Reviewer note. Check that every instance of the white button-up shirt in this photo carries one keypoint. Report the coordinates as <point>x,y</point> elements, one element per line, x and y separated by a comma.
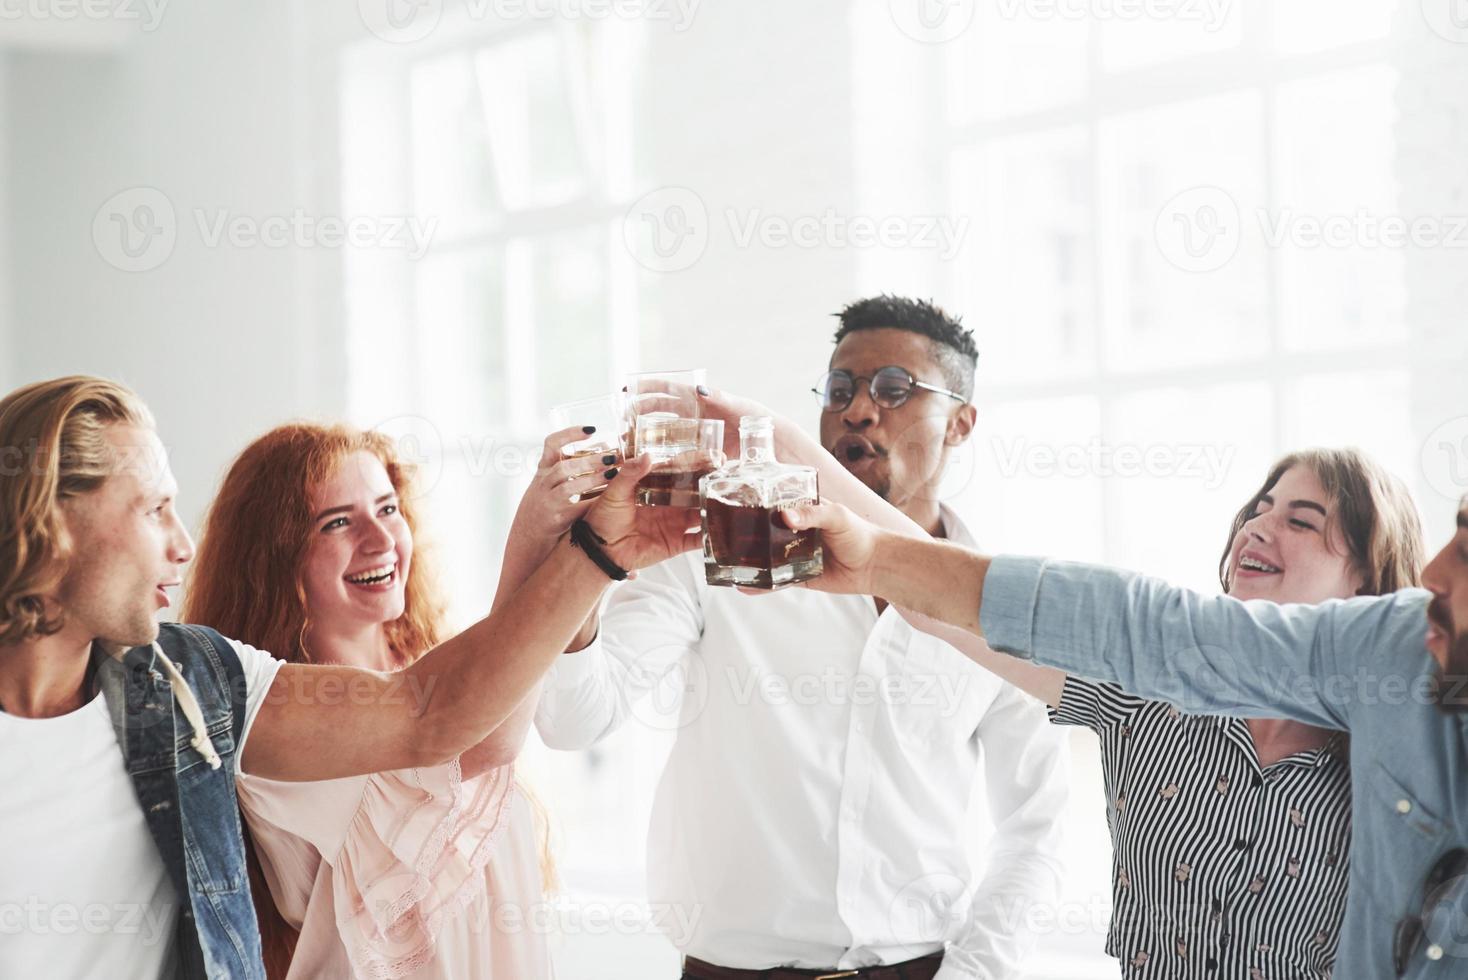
<point>817,808</point>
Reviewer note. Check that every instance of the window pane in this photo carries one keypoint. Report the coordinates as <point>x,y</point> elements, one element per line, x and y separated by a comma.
<point>1183,272</point>
<point>1304,26</point>
<point>1200,454</point>
<point>533,112</point>
<point>1026,270</point>
<point>1368,410</point>
<point>467,513</point>
<point>1011,65</point>
<point>1139,35</point>
<point>452,176</point>
<point>460,313</point>
<point>570,319</point>
<point>1339,285</point>
<point>1022,484</point>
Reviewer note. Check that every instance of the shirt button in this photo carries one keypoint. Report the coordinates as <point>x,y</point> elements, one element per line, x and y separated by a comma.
<point>1404,807</point>
<point>1212,965</point>
<point>1258,780</point>
<point>1434,952</point>
<point>1223,941</point>
<point>1241,845</point>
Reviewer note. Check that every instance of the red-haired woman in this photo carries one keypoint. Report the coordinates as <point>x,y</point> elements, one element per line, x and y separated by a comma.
<point>308,550</point>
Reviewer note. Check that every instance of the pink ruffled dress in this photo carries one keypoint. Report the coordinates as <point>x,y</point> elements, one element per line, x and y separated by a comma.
<point>416,874</point>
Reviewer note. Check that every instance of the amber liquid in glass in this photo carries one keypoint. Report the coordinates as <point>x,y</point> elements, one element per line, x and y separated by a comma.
<point>752,547</point>
<point>671,487</point>
<point>594,492</point>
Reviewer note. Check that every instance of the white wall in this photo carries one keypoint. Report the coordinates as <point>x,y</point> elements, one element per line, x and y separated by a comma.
<point>1432,138</point>
<point>221,341</point>
<point>7,316</point>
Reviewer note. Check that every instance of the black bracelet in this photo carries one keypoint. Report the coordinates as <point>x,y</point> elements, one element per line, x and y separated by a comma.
<point>583,537</point>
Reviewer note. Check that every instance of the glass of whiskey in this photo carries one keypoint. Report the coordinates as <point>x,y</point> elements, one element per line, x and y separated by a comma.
<point>607,414</point>
<point>684,451</point>
<point>662,393</point>
<point>745,542</point>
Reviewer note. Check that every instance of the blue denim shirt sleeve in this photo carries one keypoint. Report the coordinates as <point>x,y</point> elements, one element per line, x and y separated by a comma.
<point>1204,654</point>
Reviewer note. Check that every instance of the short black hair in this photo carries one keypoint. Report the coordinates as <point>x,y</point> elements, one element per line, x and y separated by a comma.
<point>952,343</point>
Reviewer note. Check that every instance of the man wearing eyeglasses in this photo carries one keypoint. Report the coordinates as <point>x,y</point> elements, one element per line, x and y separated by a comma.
<point>816,816</point>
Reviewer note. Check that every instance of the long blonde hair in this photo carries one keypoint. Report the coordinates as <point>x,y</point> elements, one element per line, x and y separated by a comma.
<point>53,446</point>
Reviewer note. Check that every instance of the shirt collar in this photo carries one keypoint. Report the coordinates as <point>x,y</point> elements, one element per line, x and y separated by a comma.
<point>954,529</point>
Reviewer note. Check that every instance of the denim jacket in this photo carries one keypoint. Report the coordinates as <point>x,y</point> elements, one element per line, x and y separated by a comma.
<point>1358,665</point>
<point>189,804</point>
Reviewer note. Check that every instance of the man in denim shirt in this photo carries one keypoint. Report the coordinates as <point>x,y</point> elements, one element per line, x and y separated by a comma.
<point>1391,670</point>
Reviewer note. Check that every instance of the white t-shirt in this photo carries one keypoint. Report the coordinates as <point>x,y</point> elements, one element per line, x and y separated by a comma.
<point>83,890</point>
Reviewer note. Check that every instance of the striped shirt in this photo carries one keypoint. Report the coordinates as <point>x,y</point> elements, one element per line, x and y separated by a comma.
<point>1220,868</point>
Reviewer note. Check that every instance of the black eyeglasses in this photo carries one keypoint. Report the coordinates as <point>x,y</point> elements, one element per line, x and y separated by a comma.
<point>1450,867</point>
<point>889,387</point>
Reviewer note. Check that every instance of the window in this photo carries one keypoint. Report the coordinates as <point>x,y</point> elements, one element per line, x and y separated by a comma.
<point>516,142</point>
<point>1069,140</point>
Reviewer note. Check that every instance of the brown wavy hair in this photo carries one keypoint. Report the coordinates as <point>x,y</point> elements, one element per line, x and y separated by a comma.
<point>246,579</point>
<point>52,446</point>
<point>1373,509</point>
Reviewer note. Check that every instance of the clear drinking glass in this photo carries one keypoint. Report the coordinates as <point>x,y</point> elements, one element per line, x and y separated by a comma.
<point>664,393</point>
<point>684,451</point>
<point>610,438</point>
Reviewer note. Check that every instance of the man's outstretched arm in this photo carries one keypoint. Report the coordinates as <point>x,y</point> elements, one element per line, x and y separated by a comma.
<point>1205,654</point>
